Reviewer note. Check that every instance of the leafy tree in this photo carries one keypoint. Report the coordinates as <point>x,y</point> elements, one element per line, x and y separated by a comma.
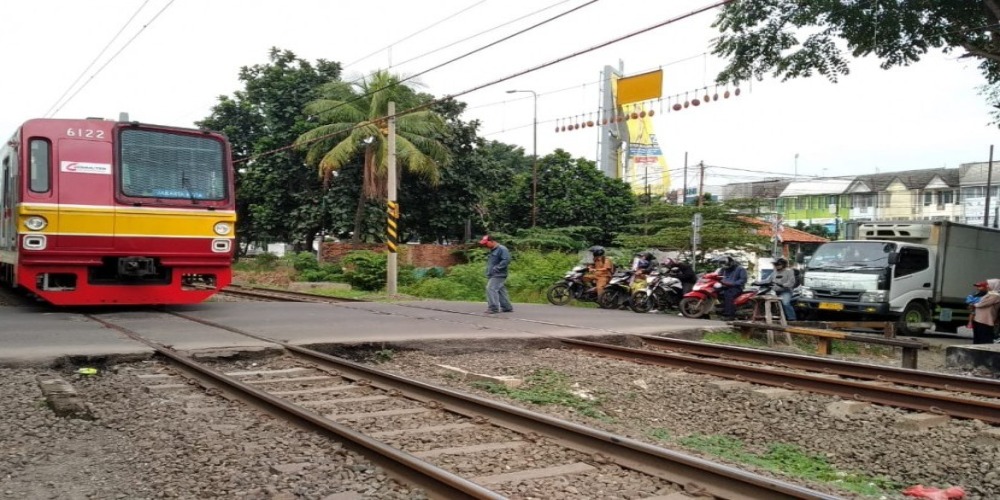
<point>278,197</point>
<point>797,38</point>
<point>668,227</point>
<point>814,229</point>
<point>571,193</point>
<point>352,119</point>
<point>444,211</point>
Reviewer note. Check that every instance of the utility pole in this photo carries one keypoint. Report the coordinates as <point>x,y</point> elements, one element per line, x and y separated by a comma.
<point>989,180</point>
<point>684,195</point>
<point>701,183</point>
<point>391,267</point>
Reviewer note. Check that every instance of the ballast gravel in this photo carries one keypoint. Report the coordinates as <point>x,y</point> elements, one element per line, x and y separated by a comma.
<point>663,407</point>
<point>144,444</point>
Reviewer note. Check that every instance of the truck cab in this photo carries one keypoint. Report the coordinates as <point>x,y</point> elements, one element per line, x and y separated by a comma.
<point>887,274</point>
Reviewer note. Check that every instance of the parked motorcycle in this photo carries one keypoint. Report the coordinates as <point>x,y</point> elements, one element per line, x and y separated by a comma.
<point>572,286</point>
<point>662,291</point>
<point>618,291</point>
<point>703,299</point>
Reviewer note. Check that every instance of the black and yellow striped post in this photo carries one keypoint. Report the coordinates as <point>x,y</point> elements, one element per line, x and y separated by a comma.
<point>392,238</point>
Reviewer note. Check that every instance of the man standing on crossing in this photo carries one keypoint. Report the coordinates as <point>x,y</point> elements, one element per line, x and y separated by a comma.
<point>497,262</point>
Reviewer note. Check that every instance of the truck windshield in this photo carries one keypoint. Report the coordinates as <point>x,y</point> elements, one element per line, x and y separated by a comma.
<point>851,254</point>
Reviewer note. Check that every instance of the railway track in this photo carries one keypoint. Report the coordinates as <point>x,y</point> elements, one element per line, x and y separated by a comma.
<point>856,381</point>
<point>456,445</point>
<point>271,295</point>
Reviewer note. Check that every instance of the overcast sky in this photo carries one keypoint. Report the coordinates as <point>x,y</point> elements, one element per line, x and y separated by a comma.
<point>928,115</point>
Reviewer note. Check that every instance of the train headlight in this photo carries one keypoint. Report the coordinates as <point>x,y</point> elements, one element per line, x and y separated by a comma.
<point>222,228</point>
<point>35,223</point>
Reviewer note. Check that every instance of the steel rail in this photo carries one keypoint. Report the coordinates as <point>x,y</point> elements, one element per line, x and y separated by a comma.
<point>694,473</point>
<point>904,376</point>
<point>437,482</point>
<point>860,391</point>
<point>283,295</point>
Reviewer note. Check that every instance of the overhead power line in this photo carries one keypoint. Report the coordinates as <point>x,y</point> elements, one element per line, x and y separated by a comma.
<point>98,56</point>
<point>532,69</point>
<point>415,33</point>
<point>105,65</point>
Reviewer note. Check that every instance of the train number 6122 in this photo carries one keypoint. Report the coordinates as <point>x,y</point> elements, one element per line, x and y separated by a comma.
<point>86,133</point>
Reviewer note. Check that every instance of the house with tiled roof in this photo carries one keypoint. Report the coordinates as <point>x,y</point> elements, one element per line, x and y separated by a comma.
<point>973,179</point>
<point>928,194</point>
<point>815,201</point>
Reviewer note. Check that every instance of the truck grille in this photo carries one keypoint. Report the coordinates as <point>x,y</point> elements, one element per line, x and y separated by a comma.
<point>832,293</point>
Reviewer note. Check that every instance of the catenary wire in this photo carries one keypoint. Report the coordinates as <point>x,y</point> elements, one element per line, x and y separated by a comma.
<point>105,65</point>
<point>98,56</point>
<point>666,22</point>
<point>415,33</point>
<point>458,58</point>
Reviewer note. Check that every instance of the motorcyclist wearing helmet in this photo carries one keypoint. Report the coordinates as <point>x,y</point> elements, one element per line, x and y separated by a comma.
<point>734,277</point>
<point>645,264</point>
<point>601,269</point>
<point>783,279</point>
<point>682,271</point>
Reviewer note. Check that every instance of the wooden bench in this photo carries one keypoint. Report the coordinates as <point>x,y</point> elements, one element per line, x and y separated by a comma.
<point>825,339</point>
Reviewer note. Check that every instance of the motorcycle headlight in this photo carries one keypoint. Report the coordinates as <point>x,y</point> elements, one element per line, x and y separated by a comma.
<point>222,228</point>
<point>36,223</point>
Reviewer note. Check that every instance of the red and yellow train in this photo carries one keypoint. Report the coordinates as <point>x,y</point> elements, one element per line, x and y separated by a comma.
<point>99,212</point>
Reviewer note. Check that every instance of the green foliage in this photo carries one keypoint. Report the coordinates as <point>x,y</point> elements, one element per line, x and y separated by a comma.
<point>668,227</point>
<point>365,270</point>
<point>548,387</point>
<point>278,198</point>
<point>350,129</point>
<point>571,193</point>
<point>660,434</point>
<point>384,355</point>
<point>790,460</point>
<point>262,262</point>
<point>815,229</point>
<point>304,261</point>
<point>732,338</point>
<point>797,38</point>
<point>531,272</point>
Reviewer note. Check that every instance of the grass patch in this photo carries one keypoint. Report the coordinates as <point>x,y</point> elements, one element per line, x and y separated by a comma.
<point>732,338</point>
<point>660,434</point>
<point>791,461</point>
<point>548,387</point>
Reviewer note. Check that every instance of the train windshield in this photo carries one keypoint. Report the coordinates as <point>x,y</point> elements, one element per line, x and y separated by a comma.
<point>165,165</point>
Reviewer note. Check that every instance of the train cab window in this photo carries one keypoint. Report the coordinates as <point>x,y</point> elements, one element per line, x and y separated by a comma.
<point>40,166</point>
<point>163,165</point>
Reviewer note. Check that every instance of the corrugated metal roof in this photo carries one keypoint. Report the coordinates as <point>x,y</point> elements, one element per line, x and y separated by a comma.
<point>816,186</point>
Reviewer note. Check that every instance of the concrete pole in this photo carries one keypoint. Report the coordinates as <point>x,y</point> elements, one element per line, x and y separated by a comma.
<point>392,263</point>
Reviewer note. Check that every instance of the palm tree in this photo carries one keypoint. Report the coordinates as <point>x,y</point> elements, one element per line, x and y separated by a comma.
<point>353,118</point>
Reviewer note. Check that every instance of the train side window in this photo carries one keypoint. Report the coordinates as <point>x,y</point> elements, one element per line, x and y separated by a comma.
<point>40,166</point>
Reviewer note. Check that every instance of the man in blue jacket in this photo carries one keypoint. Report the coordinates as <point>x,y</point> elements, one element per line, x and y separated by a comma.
<point>497,262</point>
<point>734,277</point>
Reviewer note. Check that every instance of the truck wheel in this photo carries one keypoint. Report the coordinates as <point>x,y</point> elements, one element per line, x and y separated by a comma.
<point>915,312</point>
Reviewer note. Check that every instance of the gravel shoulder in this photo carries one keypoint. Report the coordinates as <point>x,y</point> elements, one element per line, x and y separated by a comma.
<point>686,412</point>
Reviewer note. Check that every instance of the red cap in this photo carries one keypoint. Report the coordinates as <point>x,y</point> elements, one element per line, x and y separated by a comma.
<point>484,240</point>
<point>981,284</point>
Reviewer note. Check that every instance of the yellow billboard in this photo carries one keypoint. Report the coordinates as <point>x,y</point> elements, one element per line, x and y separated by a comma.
<point>645,167</point>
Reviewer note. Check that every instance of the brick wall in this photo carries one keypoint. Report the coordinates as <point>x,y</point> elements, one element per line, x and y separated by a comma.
<point>412,255</point>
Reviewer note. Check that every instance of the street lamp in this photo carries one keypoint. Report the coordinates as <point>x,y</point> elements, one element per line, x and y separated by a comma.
<point>534,154</point>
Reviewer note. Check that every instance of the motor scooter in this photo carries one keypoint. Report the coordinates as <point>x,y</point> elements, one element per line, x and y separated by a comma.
<point>572,286</point>
<point>703,299</point>
<point>618,291</point>
<point>662,291</point>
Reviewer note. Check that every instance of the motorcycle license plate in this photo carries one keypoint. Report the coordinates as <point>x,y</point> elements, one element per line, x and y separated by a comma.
<point>831,306</point>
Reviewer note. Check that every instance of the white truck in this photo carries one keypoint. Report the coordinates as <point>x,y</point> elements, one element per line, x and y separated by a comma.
<point>915,273</point>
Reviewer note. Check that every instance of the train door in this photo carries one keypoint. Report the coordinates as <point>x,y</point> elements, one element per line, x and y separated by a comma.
<point>85,185</point>
<point>6,211</point>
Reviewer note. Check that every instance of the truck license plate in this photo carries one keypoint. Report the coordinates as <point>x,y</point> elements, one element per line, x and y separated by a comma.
<point>831,306</point>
